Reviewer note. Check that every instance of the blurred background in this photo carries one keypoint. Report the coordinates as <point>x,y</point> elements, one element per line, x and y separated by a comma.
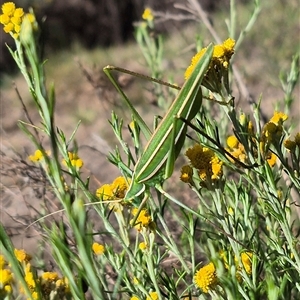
<point>94,23</point>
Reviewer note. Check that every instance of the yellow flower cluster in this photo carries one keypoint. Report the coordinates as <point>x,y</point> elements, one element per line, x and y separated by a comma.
<point>246,260</point>
<point>220,60</point>
<point>237,150</point>
<point>113,191</point>
<point>272,131</point>
<point>75,160</point>
<point>31,282</point>
<point>22,256</point>
<point>6,279</point>
<point>12,19</point>
<point>208,165</point>
<point>206,277</point>
<point>143,220</point>
<point>40,287</point>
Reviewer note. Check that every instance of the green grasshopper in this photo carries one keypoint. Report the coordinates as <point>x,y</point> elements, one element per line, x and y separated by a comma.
<point>156,163</point>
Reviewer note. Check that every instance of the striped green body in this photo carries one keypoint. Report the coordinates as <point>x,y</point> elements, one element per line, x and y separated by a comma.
<point>170,134</point>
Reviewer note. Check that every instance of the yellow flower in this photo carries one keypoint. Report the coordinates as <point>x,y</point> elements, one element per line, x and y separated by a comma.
<point>194,61</point>
<point>219,51</point>
<point>7,289</point>
<point>74,159</point>
<point>29,278</point>
<point>4,19</point>
<point>63,285</point>
<point>230,211</point>
<point>134,298</point>
<point>5,277</point>
<point>222,254</point>
<point>2,261</point>
<point>114,191</point>
<point>206,277</point>
<point>105,192</point>
<point>18,14</point>
<point>229,46</point>
<point>278,118</point>
<point>8,8</point>
<point>217,72</point>
<point>246,258</point>
<point>119,187</point>
<point>98,248</point>
<point>50,276</point>
<point>236,149</point>
<point>271,159</point>
<point>186,174</point>
<point>147,15</point>
<point>216,168</point>
<point>232,142</point>
<point>272,131</point>
<point>22,256</point>
<point>152,296</point>
<point>143,219</point>
<point>205,161</point>
<point>38,155</point>
<point>143,246</point>
<point>11,18</point>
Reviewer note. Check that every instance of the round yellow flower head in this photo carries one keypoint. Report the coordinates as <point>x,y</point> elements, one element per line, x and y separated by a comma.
<point>105,192</point>
<point>194,61</point>
<point>50,276</point>
<point>98,248</point>
<point>206,277</point>
<point>143,219</point>
<point>205,161</point>
<point>148,15</point>
<point>271,159</point>
<point>232,142</point>
<point>246,258</point>
<point>143,246</point>
<point>75,160</point>
<point>22,256</point>
<point>119,187</point>
<point>2,261</point>
<point>5,277</point>
<point>186,174</point>
<point>38,155</point>
<point>278,118</point>
<point>228,46</point>
<point>219,51</point>
<point>152,296</point>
